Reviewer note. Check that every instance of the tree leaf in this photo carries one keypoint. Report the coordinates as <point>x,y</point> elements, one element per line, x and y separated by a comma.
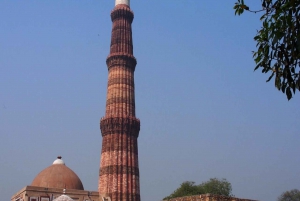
<point>288,93</point>
<point>270,77</point>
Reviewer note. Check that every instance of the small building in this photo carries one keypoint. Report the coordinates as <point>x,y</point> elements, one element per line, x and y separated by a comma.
<point>56,183</point>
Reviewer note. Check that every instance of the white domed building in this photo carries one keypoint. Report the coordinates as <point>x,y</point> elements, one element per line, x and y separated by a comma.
<point>63,198</point>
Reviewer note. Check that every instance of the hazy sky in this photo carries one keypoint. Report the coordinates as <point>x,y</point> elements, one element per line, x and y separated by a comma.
<point>204,112</point>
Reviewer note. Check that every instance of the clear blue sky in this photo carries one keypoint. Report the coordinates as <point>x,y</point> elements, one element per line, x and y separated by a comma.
<point>204,112</point>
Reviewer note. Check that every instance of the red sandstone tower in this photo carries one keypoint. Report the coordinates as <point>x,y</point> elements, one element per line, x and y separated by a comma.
<point>119,170</point>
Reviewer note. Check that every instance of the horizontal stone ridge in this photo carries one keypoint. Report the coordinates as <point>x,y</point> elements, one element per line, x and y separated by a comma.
<point>121,59</point>
<point>121,143</point>
<point>118,100</point>
<point>108,148</point>
<point>122,11</point>
<point>119,169</point>
<point>124,196</point>
<point>121,80</point>
<point>125,157</point>
<point>120,125</point>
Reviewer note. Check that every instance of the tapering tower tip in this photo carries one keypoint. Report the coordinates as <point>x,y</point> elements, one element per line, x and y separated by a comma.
<point>126,2</point>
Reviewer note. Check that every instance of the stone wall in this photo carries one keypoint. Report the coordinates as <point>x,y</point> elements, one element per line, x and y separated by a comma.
<point>30,193</point>
<point>207,197</point>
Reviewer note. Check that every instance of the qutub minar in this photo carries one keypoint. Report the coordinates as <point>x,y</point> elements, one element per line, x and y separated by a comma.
<point>119,170</point>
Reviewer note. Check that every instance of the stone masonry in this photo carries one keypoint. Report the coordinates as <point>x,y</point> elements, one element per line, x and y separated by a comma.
<point>207,197</point>
<point>119,170</point>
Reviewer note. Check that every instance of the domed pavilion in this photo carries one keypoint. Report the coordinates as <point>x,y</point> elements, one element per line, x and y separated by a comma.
<point>58,175</point>
<point>56,183</point>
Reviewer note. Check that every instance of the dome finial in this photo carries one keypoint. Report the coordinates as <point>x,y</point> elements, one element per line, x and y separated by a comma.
<point>59,161</point>
<point>126,2</point>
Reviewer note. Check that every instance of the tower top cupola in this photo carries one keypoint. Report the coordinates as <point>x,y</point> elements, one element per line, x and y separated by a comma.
<point>126,2</point>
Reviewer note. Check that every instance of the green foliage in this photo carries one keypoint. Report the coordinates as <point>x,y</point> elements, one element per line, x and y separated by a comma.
<point>186,188</point>
<point>278,42</point>
<point>217,187</point>
<point>213,186</point>
<point>293,195</point>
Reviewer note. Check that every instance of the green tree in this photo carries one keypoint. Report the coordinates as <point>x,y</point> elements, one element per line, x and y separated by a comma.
<point>213,186</point>
<point>293,195</point>
<point>278,42</point>
<point>186,188</point>
<point>216,187</point>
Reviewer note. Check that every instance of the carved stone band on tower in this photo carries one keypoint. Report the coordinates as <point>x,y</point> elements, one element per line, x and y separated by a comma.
<point>119,168</point>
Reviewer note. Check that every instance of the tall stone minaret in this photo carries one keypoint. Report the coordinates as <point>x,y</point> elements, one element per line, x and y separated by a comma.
<point>119,170</point>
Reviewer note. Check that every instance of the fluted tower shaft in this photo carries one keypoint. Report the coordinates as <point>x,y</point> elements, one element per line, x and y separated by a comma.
<point>119,170</point>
